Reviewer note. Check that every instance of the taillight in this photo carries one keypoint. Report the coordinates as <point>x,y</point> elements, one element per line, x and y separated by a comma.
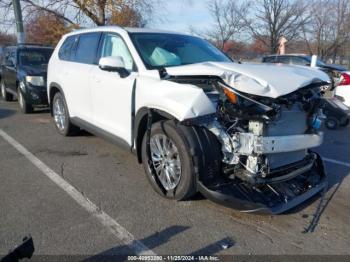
<point>344,80</point>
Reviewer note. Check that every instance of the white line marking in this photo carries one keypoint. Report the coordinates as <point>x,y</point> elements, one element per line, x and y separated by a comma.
<point>335,162</point>
<point>114,227</point>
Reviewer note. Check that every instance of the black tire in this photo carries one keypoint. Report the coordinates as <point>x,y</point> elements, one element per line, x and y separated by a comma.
<point>345,123</point>
<point>199,152</point>
<point>26,108</point>
<point>4,94</point>
<point>68,129</point>
<point>332,123</point>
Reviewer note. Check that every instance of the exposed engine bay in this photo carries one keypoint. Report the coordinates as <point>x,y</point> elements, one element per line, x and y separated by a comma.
<point>267,164</point>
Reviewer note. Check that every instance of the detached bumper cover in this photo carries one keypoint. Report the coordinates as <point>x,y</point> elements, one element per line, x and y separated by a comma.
<point>274,198</point>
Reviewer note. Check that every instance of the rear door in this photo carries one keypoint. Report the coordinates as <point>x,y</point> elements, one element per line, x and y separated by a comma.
<point>9,71</point>
<point>77,72</point>
<point>112,94</point>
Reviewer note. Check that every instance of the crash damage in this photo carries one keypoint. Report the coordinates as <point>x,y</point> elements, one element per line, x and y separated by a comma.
<point>265,134</point>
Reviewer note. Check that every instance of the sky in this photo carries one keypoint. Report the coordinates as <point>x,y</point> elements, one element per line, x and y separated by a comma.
<point>179,16</point>
<point>182,14</point>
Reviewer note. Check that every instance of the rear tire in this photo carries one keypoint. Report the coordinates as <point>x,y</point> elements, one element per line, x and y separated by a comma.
<point>199,155</point>
<point>25,107</point>
<point>332,123</point>
<point>61,116</point>
<point>346,123</point>
<point>4,94</point>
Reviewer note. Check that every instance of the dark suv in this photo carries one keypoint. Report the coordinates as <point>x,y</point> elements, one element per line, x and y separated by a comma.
<point>23,75</point>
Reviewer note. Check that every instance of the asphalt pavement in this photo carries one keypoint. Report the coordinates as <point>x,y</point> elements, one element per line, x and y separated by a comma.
<point>83,196</point>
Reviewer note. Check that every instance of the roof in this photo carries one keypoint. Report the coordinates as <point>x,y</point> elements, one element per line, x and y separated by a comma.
<point>125,29</point>
<point>149,30</point>
<point>295,54</point>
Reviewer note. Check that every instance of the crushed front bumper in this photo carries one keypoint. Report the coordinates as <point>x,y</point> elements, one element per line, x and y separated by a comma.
<point>274,198</point>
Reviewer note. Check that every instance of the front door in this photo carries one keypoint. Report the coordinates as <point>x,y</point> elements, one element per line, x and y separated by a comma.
<point>111,93</point>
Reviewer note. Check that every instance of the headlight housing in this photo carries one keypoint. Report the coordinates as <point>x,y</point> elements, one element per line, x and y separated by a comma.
<point>35,80</point>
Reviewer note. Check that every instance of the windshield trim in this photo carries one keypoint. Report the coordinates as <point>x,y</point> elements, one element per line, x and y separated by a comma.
<point>151,67</point>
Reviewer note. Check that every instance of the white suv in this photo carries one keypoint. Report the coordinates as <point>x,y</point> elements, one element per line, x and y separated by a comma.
<point>238,133</point>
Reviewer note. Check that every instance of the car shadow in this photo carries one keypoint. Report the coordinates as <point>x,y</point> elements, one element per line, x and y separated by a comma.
<point>152,241</point>
<point>157,239</point>
<point>6,113</point>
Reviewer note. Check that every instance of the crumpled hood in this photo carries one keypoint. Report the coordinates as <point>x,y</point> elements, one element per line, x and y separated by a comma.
<point>268,80</point>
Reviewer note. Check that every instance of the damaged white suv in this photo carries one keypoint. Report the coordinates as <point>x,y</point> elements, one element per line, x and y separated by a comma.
<point>238,133</point>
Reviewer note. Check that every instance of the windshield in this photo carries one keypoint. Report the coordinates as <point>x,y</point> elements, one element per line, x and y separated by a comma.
<point>34,57</point>
<point>164,50</point>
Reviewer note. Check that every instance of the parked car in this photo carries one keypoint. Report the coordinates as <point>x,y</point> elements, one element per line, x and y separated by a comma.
<point>23,75</point>
<point>337,114</point>
<point>333,70</point>
<point>238,133</point>
<point>342,90</point>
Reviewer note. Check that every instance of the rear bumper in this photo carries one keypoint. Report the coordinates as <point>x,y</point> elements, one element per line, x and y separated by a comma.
<point>273,198</point>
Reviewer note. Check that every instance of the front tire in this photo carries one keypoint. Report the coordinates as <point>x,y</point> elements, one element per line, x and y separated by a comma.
<point>61,116</point>
<point>25,107</point>
<point>192,152</point>
<point>4,94</point>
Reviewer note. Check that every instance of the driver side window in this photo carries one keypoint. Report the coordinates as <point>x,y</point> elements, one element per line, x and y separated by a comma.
<point>114,45</point>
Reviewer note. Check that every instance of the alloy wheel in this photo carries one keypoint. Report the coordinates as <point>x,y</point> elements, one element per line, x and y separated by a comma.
<point>59,113</point>
<point>166,161</point>
<point>3,90</point>
<point>20,99</point>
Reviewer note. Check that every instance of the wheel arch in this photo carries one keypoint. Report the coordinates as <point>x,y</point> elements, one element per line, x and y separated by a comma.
<point>54,88</point>
<point>140,124</point>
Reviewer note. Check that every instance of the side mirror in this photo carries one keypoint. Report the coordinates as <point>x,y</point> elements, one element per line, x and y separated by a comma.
<point>113,64</point>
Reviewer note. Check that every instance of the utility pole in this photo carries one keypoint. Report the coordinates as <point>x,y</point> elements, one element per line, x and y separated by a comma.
<point>19,21</point>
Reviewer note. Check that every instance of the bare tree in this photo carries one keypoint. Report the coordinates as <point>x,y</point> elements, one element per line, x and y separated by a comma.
<point>273,19</point>
<point>85,12</point>
<point>229,21</point>
<point>329,30</point>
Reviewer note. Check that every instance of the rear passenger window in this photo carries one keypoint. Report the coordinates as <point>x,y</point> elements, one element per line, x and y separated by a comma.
<point>87,48</point>
<point>283,59</point>
<point>67,49</point>
<point>271,59</point>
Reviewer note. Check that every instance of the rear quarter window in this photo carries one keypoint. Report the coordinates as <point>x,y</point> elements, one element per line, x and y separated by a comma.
<point>67,49</point>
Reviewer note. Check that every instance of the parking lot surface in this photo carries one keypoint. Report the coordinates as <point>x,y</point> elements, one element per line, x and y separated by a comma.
<point>110,180</point>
